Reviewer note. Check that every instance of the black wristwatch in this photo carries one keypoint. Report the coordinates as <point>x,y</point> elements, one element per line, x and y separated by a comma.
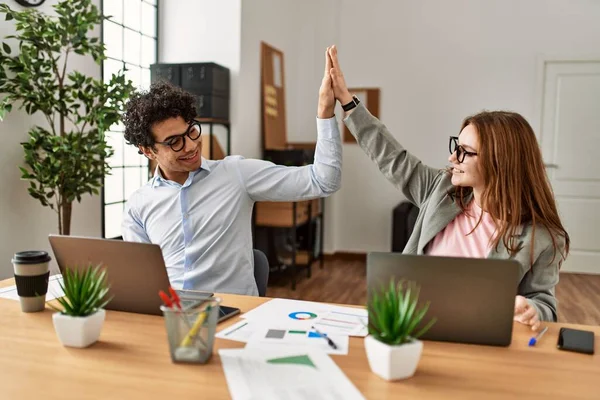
<point>352,104</point>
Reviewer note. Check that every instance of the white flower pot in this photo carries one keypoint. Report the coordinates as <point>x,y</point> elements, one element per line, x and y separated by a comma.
<point>78,331</point>
<point>393,362</point>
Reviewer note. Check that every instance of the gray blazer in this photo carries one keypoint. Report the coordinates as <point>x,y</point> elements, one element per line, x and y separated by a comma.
<point>428,189</point>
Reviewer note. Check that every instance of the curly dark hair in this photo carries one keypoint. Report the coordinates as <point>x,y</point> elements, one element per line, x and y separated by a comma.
<point>146,108</point>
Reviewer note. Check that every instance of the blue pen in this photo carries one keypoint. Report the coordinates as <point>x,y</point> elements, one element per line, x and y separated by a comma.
<point>324,336</point>
<point>537,337</point>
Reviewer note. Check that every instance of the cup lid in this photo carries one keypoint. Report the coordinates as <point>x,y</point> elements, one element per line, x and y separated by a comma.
<point>31,257</point>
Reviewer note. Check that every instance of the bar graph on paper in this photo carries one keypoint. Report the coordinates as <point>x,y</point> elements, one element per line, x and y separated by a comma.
<point>346,323</point>
<point>284,374</point>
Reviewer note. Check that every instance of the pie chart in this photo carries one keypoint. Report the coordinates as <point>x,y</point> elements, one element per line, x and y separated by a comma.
<point>302,315</point>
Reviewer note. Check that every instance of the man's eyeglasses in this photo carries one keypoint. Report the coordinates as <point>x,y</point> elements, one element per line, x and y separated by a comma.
<point>177,142</point>
<point>460,151</point>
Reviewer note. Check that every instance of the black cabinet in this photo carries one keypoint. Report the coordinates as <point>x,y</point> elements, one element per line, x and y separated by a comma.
<point>205,78</point>
<point>208,82</point>
<point>167,72</point>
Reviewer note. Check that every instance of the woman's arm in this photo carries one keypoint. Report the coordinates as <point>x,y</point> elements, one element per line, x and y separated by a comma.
<point>538,285</point>
<point>400,167</point>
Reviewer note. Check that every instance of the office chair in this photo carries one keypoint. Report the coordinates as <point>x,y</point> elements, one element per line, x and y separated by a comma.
<point>404,217</point>
<point>261,272</point>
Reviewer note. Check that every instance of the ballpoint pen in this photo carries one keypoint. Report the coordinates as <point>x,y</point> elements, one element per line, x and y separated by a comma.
<point>175,297</point>
<point>329,341</point>
<point>174,302</point>
<point>537,337</point>
<point>191,335</point>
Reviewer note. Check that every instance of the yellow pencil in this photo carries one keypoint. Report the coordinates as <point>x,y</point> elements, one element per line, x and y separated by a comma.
<point>187,340</point>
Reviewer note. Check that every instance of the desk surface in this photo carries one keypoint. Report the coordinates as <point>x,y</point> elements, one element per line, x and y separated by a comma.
<point>131,361</point>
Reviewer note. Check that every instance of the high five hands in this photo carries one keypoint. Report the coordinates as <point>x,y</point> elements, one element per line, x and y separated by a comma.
<point>326,95</point>
<point>333,86</point>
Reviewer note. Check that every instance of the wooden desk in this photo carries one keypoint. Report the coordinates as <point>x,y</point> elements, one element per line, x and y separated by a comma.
<point>131,361</point>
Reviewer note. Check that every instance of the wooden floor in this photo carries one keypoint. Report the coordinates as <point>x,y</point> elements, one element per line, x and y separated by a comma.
<point>344,282</point>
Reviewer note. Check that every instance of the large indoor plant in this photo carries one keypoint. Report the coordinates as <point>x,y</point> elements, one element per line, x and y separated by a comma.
<point>395,324</point>
<point>79,322</point>
<point>67,158</point>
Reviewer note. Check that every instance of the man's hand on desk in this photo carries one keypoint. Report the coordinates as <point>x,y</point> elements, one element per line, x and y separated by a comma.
<point>526,314</point>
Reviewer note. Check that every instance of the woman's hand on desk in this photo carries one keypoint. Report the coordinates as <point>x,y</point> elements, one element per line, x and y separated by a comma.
<point>526,314</point>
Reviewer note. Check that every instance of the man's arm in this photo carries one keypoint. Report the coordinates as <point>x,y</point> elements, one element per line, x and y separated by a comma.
<point>265,181</point>
<point>132,228</point>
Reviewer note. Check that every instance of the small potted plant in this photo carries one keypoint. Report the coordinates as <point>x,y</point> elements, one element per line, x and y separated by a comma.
<point>80,321</point>
<point>392,347</point>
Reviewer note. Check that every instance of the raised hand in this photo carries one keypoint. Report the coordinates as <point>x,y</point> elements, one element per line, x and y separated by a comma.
<point>326,97</point>
<point>340,89</point>
<point>526,314</point>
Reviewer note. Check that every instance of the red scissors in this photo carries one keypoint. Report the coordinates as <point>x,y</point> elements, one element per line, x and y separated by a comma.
<point>172,301</point>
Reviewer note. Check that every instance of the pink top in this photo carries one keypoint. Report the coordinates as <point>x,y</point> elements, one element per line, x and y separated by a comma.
<point>454,241</point>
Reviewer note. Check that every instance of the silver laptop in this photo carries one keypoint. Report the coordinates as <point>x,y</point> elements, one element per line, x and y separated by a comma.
<point>136,271</point>
<point>472,299</point>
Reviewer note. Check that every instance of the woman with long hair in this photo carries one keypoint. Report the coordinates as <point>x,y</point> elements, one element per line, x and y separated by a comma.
<point>495,200</point>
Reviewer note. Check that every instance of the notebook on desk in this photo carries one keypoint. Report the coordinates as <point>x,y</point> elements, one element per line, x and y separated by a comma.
<point>136,271</point>
<point>472,299</point>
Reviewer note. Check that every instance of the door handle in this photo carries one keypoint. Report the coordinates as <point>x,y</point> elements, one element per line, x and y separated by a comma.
<point>550,165</point>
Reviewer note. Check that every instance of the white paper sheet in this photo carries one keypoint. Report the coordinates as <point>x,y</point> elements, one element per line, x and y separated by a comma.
<point>54,290</point>
<point>277,72</point>
<point>282,337</point>
<point>284,374</point>
<point>303,315</point>
<point>351,323</point>
<point>240,331</point>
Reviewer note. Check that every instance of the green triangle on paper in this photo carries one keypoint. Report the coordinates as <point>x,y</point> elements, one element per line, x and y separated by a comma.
<point>299,360</point>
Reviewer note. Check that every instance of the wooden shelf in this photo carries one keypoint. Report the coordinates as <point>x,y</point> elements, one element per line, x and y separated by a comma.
<point>281,214</point>
<point>302,258</point>
<point>217,149</point>
<point>212,121</point>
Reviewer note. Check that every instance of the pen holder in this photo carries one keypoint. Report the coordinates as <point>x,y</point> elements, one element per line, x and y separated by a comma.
<point>191,331</point>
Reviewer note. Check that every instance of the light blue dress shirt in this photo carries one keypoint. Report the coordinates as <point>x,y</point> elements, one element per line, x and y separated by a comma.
<point>204,226</point>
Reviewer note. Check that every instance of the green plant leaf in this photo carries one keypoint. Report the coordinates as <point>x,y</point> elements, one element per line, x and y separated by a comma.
<point>394,313</point>
<point>32,77</point>
<point>85,290</point>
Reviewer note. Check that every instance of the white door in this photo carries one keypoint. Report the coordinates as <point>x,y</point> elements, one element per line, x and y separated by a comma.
<point>570,140</point>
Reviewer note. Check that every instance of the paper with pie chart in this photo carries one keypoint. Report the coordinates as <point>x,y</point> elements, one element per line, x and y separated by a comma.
<point>306,314</point>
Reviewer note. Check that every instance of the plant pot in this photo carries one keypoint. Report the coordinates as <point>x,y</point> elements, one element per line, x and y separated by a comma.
<point>393,362</point>
<point>78,331</point>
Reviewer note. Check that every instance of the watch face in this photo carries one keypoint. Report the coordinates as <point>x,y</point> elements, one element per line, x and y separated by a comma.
<point>30,3</point>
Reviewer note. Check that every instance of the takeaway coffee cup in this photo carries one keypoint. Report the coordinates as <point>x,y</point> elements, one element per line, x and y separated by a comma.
<point>31,277</point>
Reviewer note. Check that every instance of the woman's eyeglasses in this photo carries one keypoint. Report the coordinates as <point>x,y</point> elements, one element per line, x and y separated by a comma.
<point>460,151</point>
<point>177,142</point>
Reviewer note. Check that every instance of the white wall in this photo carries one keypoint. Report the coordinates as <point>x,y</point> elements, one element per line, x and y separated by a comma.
<point>437,61</point>
<point>230,32</point>
<point>24,222</point>
<point>302,30</point>
<point>202,31</point>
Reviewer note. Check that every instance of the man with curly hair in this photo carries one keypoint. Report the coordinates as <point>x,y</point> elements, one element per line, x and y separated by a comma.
<point>199,211</point>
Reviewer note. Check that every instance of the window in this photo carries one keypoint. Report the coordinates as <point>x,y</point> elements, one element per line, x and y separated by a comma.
<point>130,37</point>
